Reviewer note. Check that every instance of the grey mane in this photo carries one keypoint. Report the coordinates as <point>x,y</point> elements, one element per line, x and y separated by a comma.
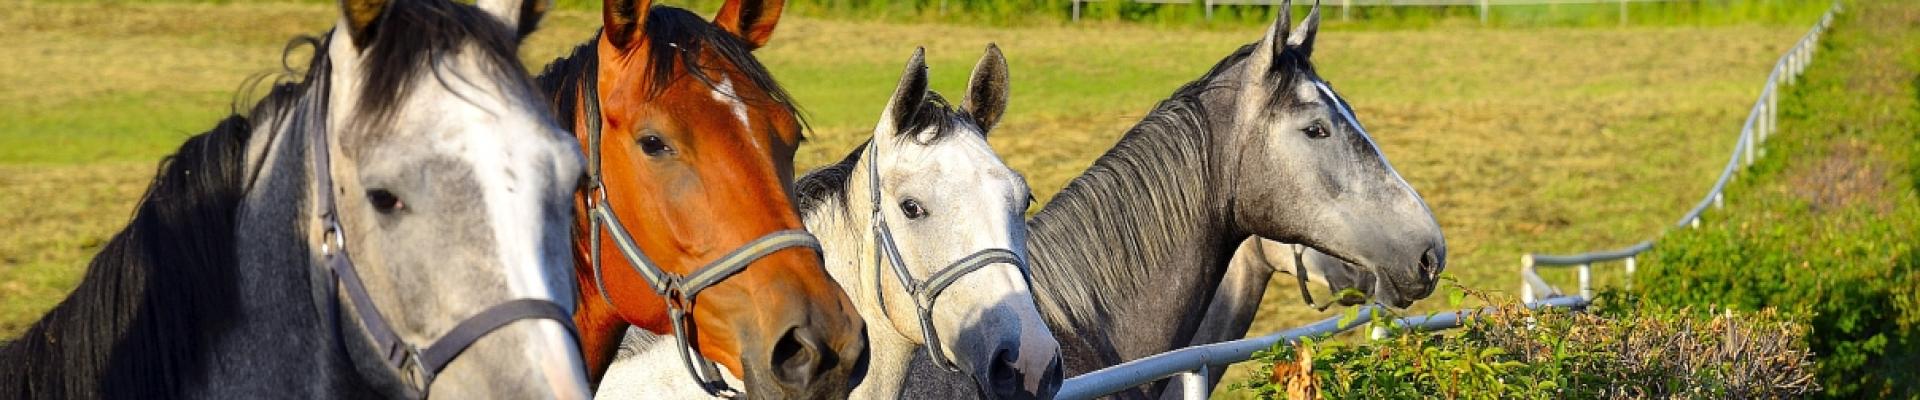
<point>1164,157</point>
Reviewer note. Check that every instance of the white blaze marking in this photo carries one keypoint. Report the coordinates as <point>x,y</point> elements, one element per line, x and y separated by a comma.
<point>724,93</point>
<point>1340,105</point>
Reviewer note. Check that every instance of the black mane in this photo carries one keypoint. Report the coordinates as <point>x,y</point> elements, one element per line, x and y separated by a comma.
<point>827,183</point>
<point>154,299</point>
<point>679,36</point>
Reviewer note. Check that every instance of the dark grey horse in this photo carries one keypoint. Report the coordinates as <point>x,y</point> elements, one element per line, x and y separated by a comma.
<point>1129,254</point>
<point>417,141</point>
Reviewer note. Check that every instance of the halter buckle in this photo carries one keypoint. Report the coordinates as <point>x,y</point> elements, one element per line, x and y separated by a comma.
<point>596,193</point>
<point>413,371</point>
<point>330,238</point>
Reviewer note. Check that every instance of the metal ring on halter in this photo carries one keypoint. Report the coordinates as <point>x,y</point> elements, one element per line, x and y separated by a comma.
<point>922,293</point>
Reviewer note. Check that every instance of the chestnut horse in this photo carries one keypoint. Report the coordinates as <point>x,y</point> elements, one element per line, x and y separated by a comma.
<point>690,145</point>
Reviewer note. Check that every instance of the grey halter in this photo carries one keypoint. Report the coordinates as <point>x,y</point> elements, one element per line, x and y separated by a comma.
<point>924,292</point>
<point>418,366</point>
<point>679,291</point>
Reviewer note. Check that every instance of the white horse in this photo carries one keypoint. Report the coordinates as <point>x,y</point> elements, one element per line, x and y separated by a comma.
<point>945,251</point>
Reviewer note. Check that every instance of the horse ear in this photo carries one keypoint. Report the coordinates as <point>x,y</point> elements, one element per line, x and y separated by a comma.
<point>623,20</point>
<point>908,96</point>
<point>751,20</point>
<point>1302,38</point>
<point>987,91</point>
<point>359,16</point>
<point>1268,51</point>
<point>523,15</point>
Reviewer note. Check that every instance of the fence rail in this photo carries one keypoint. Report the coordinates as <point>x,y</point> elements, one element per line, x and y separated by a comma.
<point>1193,365</point>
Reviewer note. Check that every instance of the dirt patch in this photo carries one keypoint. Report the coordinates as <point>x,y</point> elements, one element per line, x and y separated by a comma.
<point>1848,175</point>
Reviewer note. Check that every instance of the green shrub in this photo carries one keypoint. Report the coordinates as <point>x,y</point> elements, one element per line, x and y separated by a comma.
<point>1622,350</point>
<point>1860,292</point>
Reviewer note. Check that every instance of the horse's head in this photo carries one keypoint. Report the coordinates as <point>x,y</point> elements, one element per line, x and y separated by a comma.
<point>697,148</point>
<point>452,187</point>
<point>946,197</point>
<point>1305,171</point>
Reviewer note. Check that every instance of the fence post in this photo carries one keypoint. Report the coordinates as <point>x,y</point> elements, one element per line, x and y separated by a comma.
<point>1623,12</point>
<point>1209,7</point>
<point>1749,147</point>
<point>1586,281</point>
<point>1767,114</point>
<point>1526,287</point>
<point>1194,384</point>
<point>1344,5</point>
<point>1483,12</point>
<point>1630,272</point>
<point>1773,108</point>
<point>1076,10</point>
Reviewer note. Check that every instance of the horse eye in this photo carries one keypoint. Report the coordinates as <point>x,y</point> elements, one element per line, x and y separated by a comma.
<point>654,145</point>
<point>1316,131</point>
<point>384,201</point>
<point>912,209</point>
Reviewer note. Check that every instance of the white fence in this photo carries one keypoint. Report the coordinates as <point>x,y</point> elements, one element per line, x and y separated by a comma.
<point>1346,6</point>
<point>1192,365</point>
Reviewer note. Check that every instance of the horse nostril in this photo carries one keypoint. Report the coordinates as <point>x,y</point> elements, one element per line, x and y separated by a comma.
<point>1430,265</point>
<point>1003,376</point>
<point>800,356</point>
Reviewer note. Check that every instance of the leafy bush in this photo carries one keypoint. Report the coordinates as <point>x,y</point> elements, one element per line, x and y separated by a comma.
<point>1624,351</point>
<point>1861,292</point>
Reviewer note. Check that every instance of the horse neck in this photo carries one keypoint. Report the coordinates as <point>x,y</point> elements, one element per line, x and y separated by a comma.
<point>285,302</point>
<point>1136,241</point>
<point>841,221</point>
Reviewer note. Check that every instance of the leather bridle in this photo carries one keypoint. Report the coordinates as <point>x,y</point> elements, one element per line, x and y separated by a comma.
<point>679,290</point>
<point>419,366</point>
<point>923,292</point>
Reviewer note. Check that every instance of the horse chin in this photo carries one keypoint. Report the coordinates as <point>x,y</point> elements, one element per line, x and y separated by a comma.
<point>761,384</point>
<point>1385,292</point>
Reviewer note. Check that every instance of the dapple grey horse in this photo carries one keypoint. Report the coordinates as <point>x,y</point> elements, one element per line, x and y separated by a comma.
<point>1126,257</point>
<point>394,224</point>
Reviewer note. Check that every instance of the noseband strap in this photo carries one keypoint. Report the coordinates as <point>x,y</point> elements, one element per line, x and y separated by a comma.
<point>418,367</point>
<point>680,291</point>
<point>923,293</point>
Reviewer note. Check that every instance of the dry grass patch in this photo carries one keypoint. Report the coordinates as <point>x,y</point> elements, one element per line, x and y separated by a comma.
<point>1553,139</point>
<point>55,218</point>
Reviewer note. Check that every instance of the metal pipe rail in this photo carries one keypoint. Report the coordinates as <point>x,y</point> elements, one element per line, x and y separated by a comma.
<point>1760,124</point>
<point>1192,365</point>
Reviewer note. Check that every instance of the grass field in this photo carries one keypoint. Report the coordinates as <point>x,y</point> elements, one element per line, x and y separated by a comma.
<point>1521,139</point>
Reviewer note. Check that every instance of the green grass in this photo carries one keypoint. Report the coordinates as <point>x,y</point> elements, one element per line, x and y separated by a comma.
<point>1521,138</point>
<point>1825,224</point>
